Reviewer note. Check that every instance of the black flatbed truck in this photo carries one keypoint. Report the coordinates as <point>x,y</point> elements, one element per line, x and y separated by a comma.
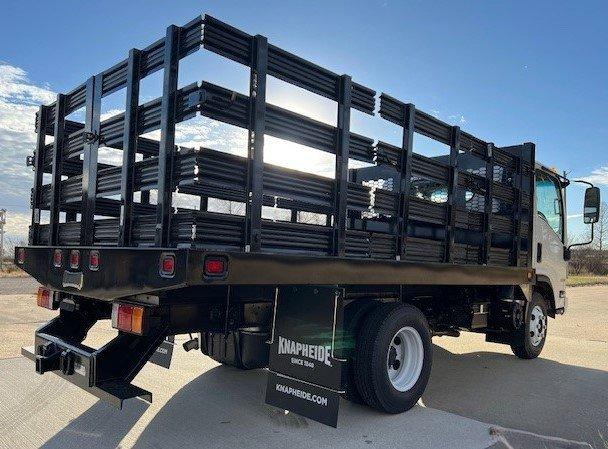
<point>403,249</point>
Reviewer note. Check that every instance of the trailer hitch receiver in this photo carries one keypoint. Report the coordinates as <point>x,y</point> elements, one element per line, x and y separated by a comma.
<point>48,358</point>
<point>67,362</point>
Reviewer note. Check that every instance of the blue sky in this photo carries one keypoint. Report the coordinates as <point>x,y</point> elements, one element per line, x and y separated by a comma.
<point>508,72</point>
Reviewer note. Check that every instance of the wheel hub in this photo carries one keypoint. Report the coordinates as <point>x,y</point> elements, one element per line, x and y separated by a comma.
<point>404,358</point>
<point>538,326</point>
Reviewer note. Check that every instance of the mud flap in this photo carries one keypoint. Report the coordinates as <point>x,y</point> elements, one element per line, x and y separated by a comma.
<point>305,366</point>
<point>164,353</point>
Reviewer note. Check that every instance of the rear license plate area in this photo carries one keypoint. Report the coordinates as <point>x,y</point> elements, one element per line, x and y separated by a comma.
<point>73,279</point>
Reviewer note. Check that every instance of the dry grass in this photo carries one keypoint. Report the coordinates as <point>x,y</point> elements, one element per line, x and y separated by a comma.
<point>581,281</point>
<point>10,270</point>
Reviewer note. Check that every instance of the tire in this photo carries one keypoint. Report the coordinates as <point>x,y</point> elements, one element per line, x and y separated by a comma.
<point>354,317</point>
<point>529,342</point>
<point>388,333</point>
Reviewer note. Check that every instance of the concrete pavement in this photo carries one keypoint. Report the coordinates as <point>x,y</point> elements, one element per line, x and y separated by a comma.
<point>562,393</point>
<point>476,390</point>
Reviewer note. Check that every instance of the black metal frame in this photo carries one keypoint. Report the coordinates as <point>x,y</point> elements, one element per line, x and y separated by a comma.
<point>129,148</point>
<point>363,222</point>
<point>91,152</point>
<point>255,150</point>
<point>58,135</point>
<point>139,272</point>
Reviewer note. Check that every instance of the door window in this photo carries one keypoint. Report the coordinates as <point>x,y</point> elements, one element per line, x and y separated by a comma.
<point>549,202</point>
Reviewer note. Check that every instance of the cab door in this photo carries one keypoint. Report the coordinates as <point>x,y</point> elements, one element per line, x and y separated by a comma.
<point>550,234</point>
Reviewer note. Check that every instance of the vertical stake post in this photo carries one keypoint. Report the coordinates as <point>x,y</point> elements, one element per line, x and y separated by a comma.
<point>488,199</point>
<point>34,236</point>
<point>518,209</point>
<point>452,189</point>
<point>129,148</point>
<point>517,216</point>
<point>166,149</point>
<point>342,153</point>
<point>57,165</point>
<point>405,165</point>
<point>530,152</point>
<point>255,144</point>
<point>89,164</point>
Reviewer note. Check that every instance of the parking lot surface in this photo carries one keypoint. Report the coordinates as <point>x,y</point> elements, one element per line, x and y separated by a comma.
<point>479,395</point>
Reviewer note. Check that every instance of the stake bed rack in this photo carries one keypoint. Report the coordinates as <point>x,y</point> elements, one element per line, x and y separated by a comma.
<point>473,206</point>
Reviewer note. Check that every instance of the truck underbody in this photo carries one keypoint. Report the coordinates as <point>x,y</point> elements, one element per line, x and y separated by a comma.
<point>449,236</point>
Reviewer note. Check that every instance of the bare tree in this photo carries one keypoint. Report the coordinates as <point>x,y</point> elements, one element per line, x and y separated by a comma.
<point>312,218</point>
<point>601,229</point>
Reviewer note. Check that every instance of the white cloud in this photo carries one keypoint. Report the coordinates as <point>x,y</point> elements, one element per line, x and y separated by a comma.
<point>457,118</point>
<point>16,87</point>
<point>452,118</point>
<point>19,101</point>
<point>17,225</point>
<point>106,115</point>
<point>598,176</point>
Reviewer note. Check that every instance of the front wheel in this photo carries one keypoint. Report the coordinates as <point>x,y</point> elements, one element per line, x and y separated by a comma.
<point>394,357</point>
<point>529,342</point>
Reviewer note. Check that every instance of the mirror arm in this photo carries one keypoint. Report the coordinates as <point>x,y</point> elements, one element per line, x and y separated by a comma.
<point>584,182</point>
<point>586,243</point>
<point>592,224</point>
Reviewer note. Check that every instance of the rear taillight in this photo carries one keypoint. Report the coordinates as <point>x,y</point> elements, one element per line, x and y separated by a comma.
<point>45,298</point>
<point>167,265</point>
<point>215,266</point>
<point>74,258</point>
<point>58,258</point>
<point>128,318</point>
<point>21,256</point>
<point>94,260</point>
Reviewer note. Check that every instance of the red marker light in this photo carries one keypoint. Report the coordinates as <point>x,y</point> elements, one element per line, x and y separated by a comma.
<point>167,265</point>
<point>21,256</point>
<point>215,266</point>
<point>57,258</point>
<point>128,318</point>
<point>125,315</point>
<point>44,298</point>
<point>74,258</point>
<point>94,260</point>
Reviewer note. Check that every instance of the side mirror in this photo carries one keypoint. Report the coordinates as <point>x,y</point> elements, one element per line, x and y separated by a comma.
<point>591,211</point>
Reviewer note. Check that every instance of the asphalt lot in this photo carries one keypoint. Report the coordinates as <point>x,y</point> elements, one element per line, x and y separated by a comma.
<point>477,390</point>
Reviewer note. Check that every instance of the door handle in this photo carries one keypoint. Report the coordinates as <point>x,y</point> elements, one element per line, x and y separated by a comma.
<point>539,252</point>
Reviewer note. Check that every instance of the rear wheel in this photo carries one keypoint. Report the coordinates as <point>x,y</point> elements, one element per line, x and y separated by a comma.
<point>529,342</point>
<point>354,317</point>
<point>394,357</point>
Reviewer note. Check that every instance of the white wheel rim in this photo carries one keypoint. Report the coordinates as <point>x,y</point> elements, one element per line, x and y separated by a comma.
<point>538,326</point>
<point>405,358</point>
